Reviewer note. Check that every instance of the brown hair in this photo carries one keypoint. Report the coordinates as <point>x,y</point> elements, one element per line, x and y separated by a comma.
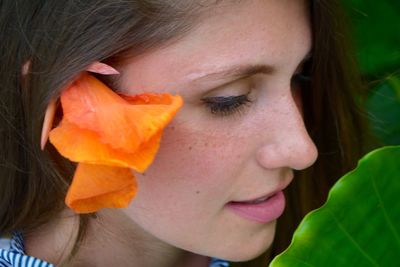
<point>59,39</point>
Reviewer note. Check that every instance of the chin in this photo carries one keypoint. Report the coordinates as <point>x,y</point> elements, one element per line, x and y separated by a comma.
<point>248,254</point>
<point>251,249</point>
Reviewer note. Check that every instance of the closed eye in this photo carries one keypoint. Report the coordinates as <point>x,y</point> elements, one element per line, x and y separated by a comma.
<point>226,105</point>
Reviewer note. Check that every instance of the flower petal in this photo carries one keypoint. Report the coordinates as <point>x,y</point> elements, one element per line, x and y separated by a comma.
<point>109,134</point>
<point>81,145</point>
<point>92,105</point>
<point>96,186</point>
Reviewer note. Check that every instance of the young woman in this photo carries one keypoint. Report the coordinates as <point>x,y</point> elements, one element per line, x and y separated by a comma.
<point>264,86</point>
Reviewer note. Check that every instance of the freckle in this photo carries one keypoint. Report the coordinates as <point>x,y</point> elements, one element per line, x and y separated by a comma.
<point>144,174</point>
<point>190,148</point>
<point>172,127</point>
<point>206,144</point>
<point>197,192</point>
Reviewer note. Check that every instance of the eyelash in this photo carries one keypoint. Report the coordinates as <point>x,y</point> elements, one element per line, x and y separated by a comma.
<point>300,82</point>
<point>303,78</point>
<point>226,105</point>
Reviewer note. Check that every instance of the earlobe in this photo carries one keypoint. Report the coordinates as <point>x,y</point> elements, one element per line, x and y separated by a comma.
<point>48,122</point>
<point>102,68</point>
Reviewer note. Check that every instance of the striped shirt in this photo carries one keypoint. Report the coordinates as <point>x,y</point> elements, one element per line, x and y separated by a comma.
<point>12,254</point>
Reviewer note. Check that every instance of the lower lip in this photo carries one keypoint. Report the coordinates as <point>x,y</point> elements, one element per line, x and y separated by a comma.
<point>262,212</point>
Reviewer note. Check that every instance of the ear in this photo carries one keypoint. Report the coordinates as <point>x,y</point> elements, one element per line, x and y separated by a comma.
<point>102,68</point>
<point>48,122</point>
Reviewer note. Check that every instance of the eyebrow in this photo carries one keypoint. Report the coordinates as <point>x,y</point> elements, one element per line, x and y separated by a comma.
<point>237,72</point>
<point>242,71</point>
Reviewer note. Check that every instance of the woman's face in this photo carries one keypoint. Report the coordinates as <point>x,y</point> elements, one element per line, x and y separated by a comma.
<point>220,148</point>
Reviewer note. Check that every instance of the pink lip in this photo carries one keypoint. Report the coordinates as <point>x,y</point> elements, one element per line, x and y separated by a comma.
<point>262,212</point>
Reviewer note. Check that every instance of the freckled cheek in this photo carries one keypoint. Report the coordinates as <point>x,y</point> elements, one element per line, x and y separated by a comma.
<point>191,165</point>
<point>188,149</point>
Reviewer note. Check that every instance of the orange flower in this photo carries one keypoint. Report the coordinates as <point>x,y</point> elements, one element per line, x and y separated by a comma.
<point>109,134</point>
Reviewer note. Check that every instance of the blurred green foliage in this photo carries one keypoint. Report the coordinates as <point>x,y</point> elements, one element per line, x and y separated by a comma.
<point>383,105</point>
<point>376,29</point>
<point>376,26</point>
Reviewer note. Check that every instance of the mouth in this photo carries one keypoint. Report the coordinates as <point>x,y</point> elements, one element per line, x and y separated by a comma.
<point>258,199</point>
<point>262,210</point>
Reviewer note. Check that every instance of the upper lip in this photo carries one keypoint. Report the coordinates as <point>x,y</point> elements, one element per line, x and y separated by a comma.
<point>271,193</point>
<point>260,197</point>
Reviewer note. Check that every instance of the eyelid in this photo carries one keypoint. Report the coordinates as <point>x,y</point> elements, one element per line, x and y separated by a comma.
<point>222,98</point>
<point>232,87</point>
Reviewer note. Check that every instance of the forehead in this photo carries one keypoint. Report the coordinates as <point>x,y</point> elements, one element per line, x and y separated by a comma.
<point>233,33</point>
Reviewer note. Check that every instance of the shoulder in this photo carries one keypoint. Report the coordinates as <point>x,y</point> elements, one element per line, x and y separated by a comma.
<point>12,253</point>
<point>4,243</point>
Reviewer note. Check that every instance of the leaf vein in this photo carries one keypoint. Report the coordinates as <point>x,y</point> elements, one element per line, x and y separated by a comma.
<point>293,256</point>
<point>352,239</point>
<point>385,214</point>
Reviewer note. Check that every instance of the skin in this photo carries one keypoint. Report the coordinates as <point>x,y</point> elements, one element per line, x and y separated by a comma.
<point>206,160</point>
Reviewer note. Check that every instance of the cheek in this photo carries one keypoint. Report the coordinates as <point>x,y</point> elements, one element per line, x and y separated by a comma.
<point>192,168</point>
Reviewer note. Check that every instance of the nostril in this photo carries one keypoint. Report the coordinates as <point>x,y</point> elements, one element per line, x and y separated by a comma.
<point>307,156</point>
<point>273,156</point>
<point>297,154</point>
<point>264,157</point>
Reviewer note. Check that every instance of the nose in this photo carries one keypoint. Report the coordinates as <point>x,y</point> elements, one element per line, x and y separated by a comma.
<point>288,143</point>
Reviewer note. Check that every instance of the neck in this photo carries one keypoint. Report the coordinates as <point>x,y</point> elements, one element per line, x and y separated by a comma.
<point>111,240</point>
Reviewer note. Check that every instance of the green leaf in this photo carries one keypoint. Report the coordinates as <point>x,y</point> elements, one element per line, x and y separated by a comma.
<point>359,225</point>
<point>383,105</point>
